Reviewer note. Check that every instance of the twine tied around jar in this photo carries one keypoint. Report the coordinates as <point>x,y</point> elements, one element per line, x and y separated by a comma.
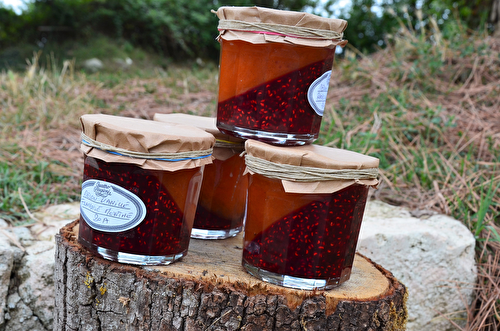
<point>305,174</point>
<point>179,156</point>
<point>279,29</point>
<point>228,144</point>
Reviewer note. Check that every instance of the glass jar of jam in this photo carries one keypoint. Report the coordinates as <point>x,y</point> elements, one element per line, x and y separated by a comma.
<point>221,207</point>
<point>304,211</point>
<point>141,182</point>
<point>275,69</point>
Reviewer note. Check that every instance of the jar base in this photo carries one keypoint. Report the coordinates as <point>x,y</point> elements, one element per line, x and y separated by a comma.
<point>129,258</point>
<point>276,138</point>
<point>215,234</point>
<point>295,282</point>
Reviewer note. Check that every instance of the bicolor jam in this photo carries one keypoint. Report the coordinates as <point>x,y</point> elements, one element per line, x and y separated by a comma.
<point>311,236</point>
<point>170,200</point>
<point>223,193</point>
<point>263,88</point>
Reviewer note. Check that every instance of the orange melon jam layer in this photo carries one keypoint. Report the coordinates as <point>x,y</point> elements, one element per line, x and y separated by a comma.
<point>223,194</point>
<point>244,65</point>
<point>302,235</point>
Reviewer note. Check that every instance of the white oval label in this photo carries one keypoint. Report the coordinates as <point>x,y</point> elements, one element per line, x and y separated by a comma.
<point>110,208</point>
<point>316,95</point>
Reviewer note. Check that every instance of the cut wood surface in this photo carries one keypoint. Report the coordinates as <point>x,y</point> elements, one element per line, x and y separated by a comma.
<point>209,290</point>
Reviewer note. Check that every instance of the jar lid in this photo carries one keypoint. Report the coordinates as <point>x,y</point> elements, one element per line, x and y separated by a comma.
<point>311,168</point>
<point>205,123</point>
<point>225,145</point>
<point>148,144</point>
<point>262,25</point>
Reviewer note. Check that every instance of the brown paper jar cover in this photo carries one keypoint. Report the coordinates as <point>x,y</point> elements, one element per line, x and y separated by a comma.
<point>281,17</point>
<point>275,68</point>
<point>314,156</point>
<point>208,124</point>
<point>135,209</point>
<point>145,136</point>
<point>303,235</point>
<point>201,122</point>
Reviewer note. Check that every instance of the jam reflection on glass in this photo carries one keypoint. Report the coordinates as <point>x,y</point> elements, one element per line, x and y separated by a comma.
<point>264,87</point>
<point>170,199</point>
<point>311,236</point>
<point>223,194</point>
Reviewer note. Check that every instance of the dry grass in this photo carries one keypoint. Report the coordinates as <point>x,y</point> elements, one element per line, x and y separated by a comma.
<point>428,108</point>
<point>484,313</point>
<point>39,135</point>
<point>447,127</point>
<point>40,129</point>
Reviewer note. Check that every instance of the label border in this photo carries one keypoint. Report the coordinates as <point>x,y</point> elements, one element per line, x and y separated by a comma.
<point>312,87</point>
<point>136,201</point>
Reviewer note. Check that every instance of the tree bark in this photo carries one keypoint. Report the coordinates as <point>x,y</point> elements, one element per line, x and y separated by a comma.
<point>209,290</point>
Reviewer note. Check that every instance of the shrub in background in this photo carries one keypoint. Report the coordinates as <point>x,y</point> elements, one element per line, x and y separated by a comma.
<point>181,29</point>
<point>371,20</point>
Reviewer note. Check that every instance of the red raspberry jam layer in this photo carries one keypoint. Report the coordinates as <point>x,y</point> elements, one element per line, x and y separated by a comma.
<point>166,228</point>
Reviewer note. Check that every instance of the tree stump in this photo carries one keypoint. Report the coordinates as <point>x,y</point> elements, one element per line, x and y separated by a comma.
<point>209,290</point>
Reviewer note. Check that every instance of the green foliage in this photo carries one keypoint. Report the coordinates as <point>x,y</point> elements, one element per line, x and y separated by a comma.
<point>181,29</point>
<point>34,184</point>
<point>186,29</point>
<point>370,21</point>
<point>367,29</point>
<point>10,26</point>
<point>486,205</point>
